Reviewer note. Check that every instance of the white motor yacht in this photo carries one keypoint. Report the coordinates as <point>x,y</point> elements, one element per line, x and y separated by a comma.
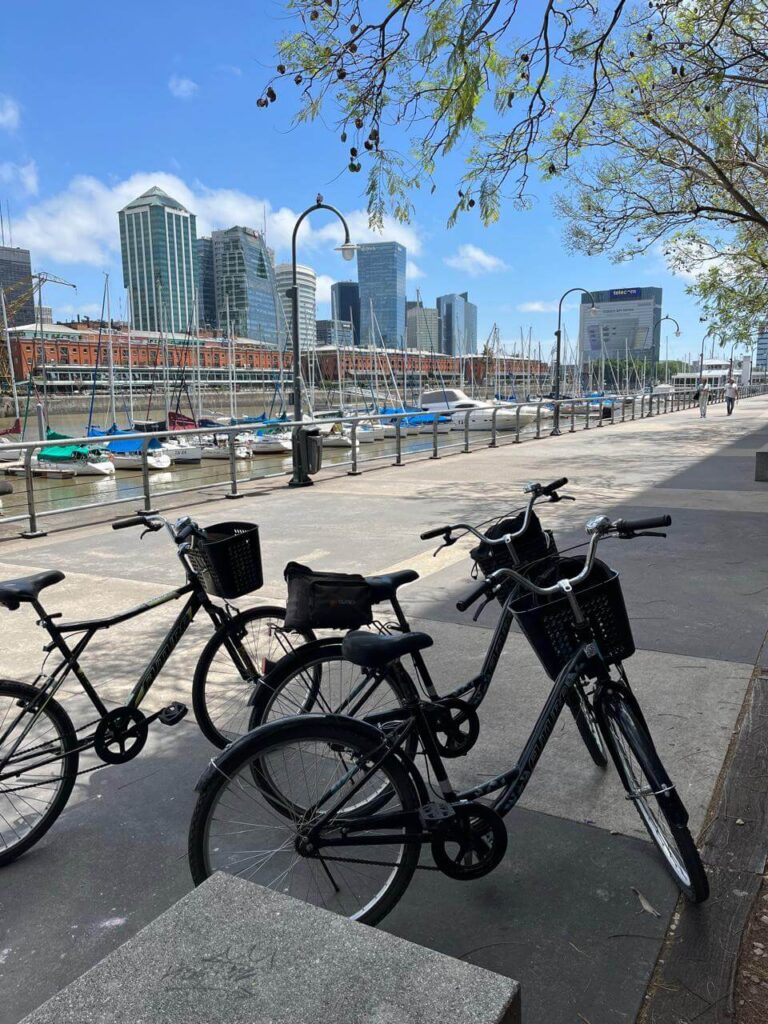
<point>455,403</point>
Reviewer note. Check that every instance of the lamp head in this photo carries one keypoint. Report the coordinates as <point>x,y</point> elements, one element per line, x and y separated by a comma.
<point>347,250</point>
<point>678,332</point>
<point>593,310</point>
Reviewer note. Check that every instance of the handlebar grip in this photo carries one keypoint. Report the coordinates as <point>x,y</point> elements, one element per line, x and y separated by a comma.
<point>477,593</point>
<point>555,485</point>
<point>438,531</point>
<point>124,524</point>
<point>653,523</point>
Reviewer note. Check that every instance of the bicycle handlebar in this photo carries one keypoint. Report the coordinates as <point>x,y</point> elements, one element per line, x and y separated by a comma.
<point>652,523</point>
<point>437,531</point>
<point>124,524</point>
<point>486,587</point>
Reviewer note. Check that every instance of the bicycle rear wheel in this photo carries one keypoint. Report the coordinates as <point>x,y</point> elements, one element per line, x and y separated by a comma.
<point>233,662</point>
<point>258,831</point>
<point>650,789</point>
<point>38,766</point>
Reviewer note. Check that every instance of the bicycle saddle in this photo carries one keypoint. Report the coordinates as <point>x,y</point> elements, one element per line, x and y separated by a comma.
<point>27,588</point>
<point>384,587</point>
<point>372,650</point>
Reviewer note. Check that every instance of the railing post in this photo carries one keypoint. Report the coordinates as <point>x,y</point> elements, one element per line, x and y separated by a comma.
<point>232,467</point>
<point>538,420</point>
<point>354,471</point>
<point>33,530</point>
<point>518,410</point>
<point>145,475</point>
<point>435,453</point>
<point>623,408</point>
<point>665,403</point>
<point>398,444</point>
<point>634,403</point>
<point>642,406</point>
<point>494,414</point>
<point>613,411</point>
<point>466,431</point>
<point>573,416</point>
<point>586,417</point>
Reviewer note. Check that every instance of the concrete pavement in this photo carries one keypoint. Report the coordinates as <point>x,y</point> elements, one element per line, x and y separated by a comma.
<point>560,914</point>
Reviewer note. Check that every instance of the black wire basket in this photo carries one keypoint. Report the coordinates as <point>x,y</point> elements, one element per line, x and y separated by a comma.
<point>228,559</point>
<point>549,625</point>
<point>532,547</point>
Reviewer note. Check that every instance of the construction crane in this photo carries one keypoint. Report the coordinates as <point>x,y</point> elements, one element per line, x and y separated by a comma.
<point>7,314</point>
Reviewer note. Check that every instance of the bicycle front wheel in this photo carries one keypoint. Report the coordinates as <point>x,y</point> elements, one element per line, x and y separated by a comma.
<point>648,786</point>
<point>233,662</point>
<point>315,767</point>
<point>38,766</point>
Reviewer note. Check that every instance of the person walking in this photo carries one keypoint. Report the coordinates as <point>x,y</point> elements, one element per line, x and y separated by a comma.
<point>703,399</point>
<point>731,393</point>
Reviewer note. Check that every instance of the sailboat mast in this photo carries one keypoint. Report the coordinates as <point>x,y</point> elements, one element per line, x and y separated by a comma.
<point>11,370</point>
<point>129,311</point>
<point>231,360</point>
<point>110,358</point>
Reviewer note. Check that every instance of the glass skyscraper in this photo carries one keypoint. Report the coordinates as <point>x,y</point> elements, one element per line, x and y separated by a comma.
<point>16,281</point>
<point>306,281</point>
<point>458,324</point>
<point>245,285</point>
<point>157,241</point>
<point>345,305</point>
<point>206,283</point>
<point>381,280</point>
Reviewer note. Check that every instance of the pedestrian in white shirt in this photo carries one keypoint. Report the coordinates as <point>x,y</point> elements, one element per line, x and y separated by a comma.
<point>703,399</point>
<point>731,394</point>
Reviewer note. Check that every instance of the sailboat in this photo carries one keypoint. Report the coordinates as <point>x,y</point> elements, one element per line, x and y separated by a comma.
<point>81,459</point>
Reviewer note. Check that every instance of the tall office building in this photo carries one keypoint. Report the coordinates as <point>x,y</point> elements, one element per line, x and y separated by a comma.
<point>423,327</point>
<point>206,284</point>
<point>345,305</point>
<point>381,279</point>
<point>16,282</point>
<point>245,286</point>
<point>761,349</point>
<point>307,282</point>
<point>458,324</point>
<point>157,240</point>
<point>626,324</point>
<point>334,332</point>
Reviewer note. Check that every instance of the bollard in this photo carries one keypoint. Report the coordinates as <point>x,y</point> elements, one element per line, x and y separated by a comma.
<point>398,444</point>
<point>435,453</point>
<point>494,414</point>
<point>538,420</point>
<point>354,471</point>
<point>518,410</point>
<point>33,530</point>
<point>232,468</point>
<point>466,431</point>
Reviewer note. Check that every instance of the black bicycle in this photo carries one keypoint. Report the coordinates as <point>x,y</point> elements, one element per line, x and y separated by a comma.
<point>335,811</point>
<point>39,746</point>
<point>318,678</point>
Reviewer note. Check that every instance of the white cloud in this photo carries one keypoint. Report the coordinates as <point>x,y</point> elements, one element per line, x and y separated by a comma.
<point>79,224</point>
<point>231,69</point>
<point>182,88</point>
<point>23,175</point>
<point>537,307</point>
<point>474,261</point>
<point>10,113</point>
<point>324,283</point>
<point>412,271</point>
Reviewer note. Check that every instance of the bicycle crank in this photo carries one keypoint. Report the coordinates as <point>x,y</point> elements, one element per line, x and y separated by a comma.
<point>456,726</point>
<point>471,843</point>
<point>120,735</point>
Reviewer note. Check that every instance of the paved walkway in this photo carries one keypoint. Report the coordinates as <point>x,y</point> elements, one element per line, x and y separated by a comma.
<point>560,914</point>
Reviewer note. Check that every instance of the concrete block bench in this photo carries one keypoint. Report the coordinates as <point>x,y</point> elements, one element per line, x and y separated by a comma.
<point>761,464</point>
<point>234,953</point>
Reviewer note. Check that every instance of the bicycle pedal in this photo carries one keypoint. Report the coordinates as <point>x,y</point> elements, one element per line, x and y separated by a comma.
<point>173,714</point>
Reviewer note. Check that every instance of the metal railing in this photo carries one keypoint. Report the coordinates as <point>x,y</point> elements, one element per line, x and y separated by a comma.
<point>530,422</point>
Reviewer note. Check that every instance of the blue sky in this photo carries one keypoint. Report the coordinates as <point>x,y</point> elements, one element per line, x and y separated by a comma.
<point>98,102</point>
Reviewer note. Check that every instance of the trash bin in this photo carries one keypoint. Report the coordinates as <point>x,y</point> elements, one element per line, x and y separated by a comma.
<point>308,450</point>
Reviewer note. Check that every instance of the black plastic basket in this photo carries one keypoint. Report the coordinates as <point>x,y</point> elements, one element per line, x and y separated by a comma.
<point>530,548</point>
<point>228,559</point>
<point>549,625</point>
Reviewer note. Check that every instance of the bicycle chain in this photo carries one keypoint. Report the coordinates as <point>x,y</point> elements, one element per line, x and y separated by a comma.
<point>76,750</point>
<point>376,863</point>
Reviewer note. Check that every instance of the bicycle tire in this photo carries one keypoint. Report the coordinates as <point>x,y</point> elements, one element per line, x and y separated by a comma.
<point>588,726</point>
<point>308,662</point>
<point>223,719</point>
<point>627,736</point>
<point>236,766</point>
<point>10,806</point>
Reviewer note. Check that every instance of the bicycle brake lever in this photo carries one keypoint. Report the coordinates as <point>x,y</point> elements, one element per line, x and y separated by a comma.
<point>650,533</point>
<point>481,609</point>
<point>143,533</point>
<point>446,544</point>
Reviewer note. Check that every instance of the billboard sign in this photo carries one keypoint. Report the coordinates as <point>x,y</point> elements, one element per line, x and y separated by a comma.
<point>625,293</point>
<point>746,369</point>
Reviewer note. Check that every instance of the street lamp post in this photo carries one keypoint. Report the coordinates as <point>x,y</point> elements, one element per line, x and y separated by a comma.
<point>347,250</point>
<point>558,338</point>
<point>678,332</point>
